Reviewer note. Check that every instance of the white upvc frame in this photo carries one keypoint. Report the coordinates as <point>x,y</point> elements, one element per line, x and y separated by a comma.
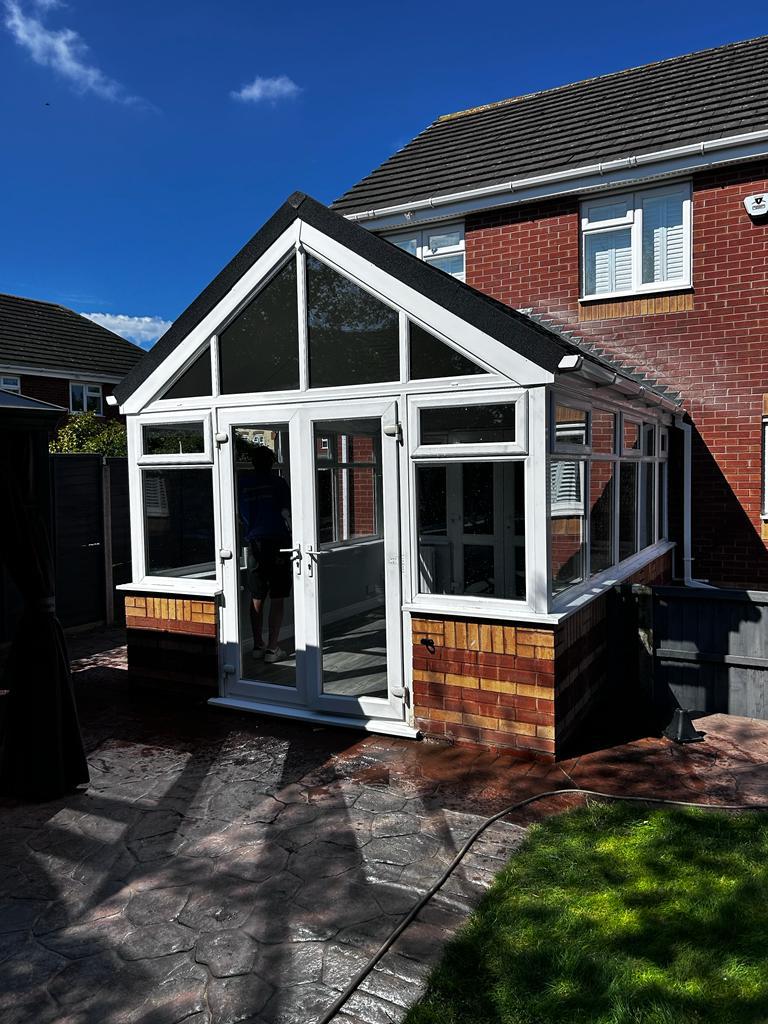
<point>85,386</point>
<point>429,254</point>
<point>633,220</point>
<point>168,419</point>
<point>517,397</point>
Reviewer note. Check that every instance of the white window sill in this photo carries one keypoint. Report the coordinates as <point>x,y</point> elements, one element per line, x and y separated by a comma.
<point>468,607</point>
<point>177,585</point>
<point>659,288</point>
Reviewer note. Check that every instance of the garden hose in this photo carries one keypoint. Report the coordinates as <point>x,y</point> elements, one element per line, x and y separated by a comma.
<point>364,971</point>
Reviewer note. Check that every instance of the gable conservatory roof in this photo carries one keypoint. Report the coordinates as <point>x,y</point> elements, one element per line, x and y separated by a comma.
<point>701,97</point>
<point>43,335</point>
<point>523,334</point>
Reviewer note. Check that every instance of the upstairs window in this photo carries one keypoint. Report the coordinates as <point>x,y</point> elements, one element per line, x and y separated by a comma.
<point>636,242</point>
<point>441,245</point>
<point>85,398</point>
<point>12,384</point>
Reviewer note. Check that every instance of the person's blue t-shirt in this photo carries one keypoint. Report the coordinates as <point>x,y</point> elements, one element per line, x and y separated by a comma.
<point>261,499</point>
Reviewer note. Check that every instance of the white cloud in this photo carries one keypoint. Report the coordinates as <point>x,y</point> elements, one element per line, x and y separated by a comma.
<point>144,330</point>
<point>280,88</point>
<point>63,50</point>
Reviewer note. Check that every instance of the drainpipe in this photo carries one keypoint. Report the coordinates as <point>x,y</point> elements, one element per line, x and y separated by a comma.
<point>687,545</point>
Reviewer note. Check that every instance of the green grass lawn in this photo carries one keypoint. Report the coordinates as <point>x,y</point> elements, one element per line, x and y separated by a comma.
<point>617,914</point>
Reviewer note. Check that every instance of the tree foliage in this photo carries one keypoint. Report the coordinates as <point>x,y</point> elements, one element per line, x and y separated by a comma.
<point>87,432</point>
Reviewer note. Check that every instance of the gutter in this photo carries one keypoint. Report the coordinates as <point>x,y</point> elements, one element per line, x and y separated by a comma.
<point>573,175</point>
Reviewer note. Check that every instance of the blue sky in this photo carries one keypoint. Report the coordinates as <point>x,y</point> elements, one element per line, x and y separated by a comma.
<point>143,143</point>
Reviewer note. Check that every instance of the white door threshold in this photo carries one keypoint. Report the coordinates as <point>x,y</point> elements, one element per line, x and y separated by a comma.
<point>386,727</point>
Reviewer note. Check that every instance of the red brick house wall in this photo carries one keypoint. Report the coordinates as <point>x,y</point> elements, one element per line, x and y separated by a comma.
<point>56,391</point>
<point>710,344</point>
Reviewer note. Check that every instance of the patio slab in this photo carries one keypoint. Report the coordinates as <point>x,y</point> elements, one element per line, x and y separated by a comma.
<point>226,867</point>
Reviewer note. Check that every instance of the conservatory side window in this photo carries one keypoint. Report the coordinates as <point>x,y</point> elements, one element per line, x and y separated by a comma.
<point>175,464</point>
<point>469,477</point>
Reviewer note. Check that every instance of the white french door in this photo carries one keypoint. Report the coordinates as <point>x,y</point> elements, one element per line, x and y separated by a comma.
<point>328,592</point>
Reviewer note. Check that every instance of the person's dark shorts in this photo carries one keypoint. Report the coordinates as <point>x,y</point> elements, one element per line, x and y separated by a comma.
<point>270,571</point>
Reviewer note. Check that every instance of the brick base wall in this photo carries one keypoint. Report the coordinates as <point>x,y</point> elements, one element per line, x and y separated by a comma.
<point>172,639</point>
<point>512,687</point>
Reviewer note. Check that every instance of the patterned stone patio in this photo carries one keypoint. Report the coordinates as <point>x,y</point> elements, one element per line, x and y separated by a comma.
<point>226,867</point>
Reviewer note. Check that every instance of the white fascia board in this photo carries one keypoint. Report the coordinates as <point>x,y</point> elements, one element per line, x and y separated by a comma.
<point>468,340</point>
<point>604,176</point>
<point>200,334</point>
<point>89,377</point>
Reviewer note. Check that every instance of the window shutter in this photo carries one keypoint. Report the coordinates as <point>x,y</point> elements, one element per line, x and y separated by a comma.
<point>663,239</point>
<point>608,258</point>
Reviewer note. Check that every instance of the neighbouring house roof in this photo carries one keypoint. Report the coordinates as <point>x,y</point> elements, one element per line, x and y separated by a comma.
<point>21,413</point>
<point>702,96</point>
<point>42,335</point>
<point>535,341</point>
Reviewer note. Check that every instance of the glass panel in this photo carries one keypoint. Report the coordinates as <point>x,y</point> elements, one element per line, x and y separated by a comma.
<point>663,256</point>
<point>603,432</point>
<point>408,242</point>
<point>93,398</point>
<point>351,557</point>
<point>259,350</point>
<point>77,397</point>
<point>264,530</point>
<point>627,509</point>
<point>649,439</point>
<point>429,357</point>
<point>616,209</point>
<point>453,265</point>
<point>173,438</point>
<point>631,436</point>
<point>471,529</point>
<point>647,495</point>
<point>442,239</point>
<point>661,506</point>
<point>571,425</point>
<point>178,522</point>
<point>468,424</point>
<point>566,523</point>
<point>353,338</point>
<point>608,261</point>
<point>195,382</point>
<point>600,515</point>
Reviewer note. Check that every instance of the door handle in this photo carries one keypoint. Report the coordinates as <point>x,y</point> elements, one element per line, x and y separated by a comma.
<point>295,554</point>
<point>311,556</point>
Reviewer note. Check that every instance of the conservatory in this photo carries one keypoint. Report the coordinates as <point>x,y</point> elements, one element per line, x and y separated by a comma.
<point>364,493</point>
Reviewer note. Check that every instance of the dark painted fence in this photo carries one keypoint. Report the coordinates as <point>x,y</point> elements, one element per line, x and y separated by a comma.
<point>711,649</point>
<point>91,542</point>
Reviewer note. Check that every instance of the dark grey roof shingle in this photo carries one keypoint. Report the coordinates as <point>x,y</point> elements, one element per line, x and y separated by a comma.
<point>701,96</point>
<point>46,336</point>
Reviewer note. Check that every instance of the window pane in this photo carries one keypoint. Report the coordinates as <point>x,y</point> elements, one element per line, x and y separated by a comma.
<point>173,439</point>
<point>429,358</point>
<point>77,395</point>
<point>608,261</point>
<point>663,238</point>
<point>570,425</point>
<point>631,436</point>
<point>453,265</point>
<point>647,495</point>
<point>349,481</point>
<point>471,529</point>
<point>603,432</point>
<point>627,509</point>
<point>468,424</point>
<point>615,209</point>
<point>649,439</point>
<point>566,523</point>
<point>178,521</point>
<point>600,516</point>
<point>353,338</point>
<point>437,240</point>
<point>195,382</point>
<point>259,350</point>
<point>93,398</point>
<point>408,242</point>
<point>661,505</point>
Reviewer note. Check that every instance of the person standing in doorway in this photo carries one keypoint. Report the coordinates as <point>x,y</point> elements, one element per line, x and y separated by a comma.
<point>264,503</point>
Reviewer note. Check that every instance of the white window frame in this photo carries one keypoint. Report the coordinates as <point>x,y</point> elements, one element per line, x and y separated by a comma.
<point>633,219</point>
<point>85,385</point>
<point>516,397</point>
<point>168,419</point>
<point>13,388</point>
<point>430,255</point>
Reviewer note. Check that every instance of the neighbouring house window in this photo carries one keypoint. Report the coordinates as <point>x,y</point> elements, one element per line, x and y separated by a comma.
<point>635,242</point>
<point>12,384</point>
<point>178,522</point>
<point>608,490</point>
<point>85,398</point>
<point>442,245</point>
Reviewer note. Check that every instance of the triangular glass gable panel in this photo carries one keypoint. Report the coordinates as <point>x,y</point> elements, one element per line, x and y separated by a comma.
<point>259,349</point>
<point>195,382</point>
<point>353,337</point>
<point>429,357</point>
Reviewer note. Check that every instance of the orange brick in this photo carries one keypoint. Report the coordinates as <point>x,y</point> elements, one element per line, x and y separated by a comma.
<point>498,686</point>
<point>445,716</point>
<point>469,681</point>
<point>483,721</point>
<point>449,633</point>
<point>498,639</point>
<point>545,653</point>
<point>527,690</point>
<point>524,728</point>
<point>524,650</point>
<point>486,639</point>
<point>423,676</point>
<point>461,636</point>
<point>547,732</point>
<point>510,640</point>
<point>545,638</point>
<point>473,636</point>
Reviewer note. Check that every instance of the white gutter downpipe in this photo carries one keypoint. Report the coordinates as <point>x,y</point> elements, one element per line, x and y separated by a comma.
<point>688,579</point>
<point>602,168</point>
